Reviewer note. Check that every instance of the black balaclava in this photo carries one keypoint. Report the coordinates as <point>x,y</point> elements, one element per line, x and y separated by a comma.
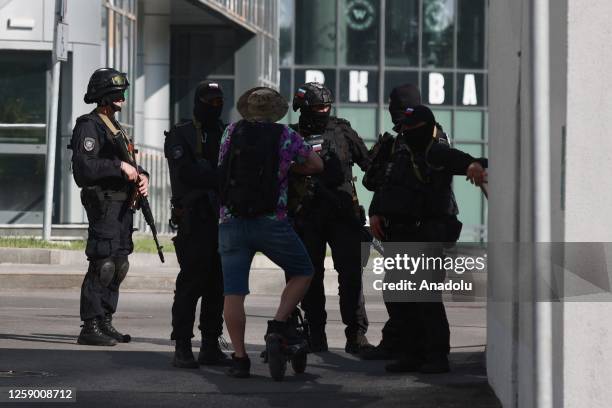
<point>107,100</point>
<point>402,97</point>
<point>313,122</point>
<point>421,122</point>
<point>203,111</point>
<point>419,138</point>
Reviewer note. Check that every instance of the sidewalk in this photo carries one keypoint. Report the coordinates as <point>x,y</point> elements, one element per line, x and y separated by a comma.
<point>37,343</point>
<point>27,269</point>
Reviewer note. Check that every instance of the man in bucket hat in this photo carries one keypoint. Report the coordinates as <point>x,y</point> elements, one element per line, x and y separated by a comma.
<point>255,158</point>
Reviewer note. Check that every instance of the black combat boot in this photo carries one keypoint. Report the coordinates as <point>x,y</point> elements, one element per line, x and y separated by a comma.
<point>183,355</point>
<point>241,367</point>
<point>318,340</point>
<point>381,352</point>
<point>409,363</point>
<point>91,335</point>
<point>210,352</point>
<point>435,364</point>
<point>357,343</point>
<point>106,327</point>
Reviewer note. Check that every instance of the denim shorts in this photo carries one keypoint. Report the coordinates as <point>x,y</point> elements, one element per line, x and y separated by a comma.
<point>241,238</point>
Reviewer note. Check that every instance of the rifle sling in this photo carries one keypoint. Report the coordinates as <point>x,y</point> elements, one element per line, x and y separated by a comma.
<point>111,126</point>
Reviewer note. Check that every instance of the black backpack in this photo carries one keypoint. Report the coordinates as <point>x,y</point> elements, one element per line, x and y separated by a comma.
<point>249,172</point>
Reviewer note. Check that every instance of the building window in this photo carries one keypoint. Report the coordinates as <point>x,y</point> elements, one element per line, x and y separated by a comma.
<point>285,23</point>
<point>438,33</point>
<point>470,34</point>
<point>119,47</point>
<point>23,113</point>
<point>315,32</point>
<point>358,32</point>
<point>402,33</point>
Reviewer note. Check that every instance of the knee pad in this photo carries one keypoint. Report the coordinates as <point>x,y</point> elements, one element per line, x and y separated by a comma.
<point>106,271</point>
<point>122,265</point>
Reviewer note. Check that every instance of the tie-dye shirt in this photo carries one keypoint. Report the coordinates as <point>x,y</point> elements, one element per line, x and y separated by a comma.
<point>292,149</point>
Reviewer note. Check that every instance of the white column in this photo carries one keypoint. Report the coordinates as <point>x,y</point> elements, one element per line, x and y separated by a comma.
<point>156,69</point>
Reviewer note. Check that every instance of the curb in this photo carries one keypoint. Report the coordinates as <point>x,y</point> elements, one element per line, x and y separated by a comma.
<point>37,256</point>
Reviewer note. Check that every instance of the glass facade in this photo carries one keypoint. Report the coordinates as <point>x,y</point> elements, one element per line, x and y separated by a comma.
<point>361,49</point>
<point>24,79</point>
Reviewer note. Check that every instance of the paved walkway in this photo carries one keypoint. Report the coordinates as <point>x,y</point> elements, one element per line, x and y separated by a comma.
<point>37,341</point>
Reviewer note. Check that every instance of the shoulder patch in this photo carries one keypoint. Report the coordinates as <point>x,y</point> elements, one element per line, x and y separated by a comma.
<point>89,143</point>
<point>176,152</point>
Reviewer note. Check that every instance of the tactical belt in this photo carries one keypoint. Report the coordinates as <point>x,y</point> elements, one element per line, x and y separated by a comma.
<point>109,195</point>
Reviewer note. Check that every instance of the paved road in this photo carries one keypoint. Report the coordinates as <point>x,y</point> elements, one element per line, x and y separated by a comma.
<point>38,331</point>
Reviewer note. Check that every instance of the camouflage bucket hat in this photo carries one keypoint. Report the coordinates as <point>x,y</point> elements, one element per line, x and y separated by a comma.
<point>262,104</point>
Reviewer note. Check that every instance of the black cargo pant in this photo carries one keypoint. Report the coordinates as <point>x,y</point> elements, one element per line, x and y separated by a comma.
<point>200,277</point>
<point>109,240</point>
<point>324,226</point>
<point>418,328</point>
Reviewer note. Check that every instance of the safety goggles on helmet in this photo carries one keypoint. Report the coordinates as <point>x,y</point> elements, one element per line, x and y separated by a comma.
<point>119,80</point>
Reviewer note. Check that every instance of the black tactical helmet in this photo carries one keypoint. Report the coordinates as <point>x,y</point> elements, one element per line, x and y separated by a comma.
<point>103,82</point>
<point>312,94</point>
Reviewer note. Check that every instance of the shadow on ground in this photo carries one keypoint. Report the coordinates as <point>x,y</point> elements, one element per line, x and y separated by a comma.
<point>115,378</point>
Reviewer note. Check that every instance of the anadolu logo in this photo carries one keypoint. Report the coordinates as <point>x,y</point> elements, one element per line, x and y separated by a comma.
<point>360,14</point>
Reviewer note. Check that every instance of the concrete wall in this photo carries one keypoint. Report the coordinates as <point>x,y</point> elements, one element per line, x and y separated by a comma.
<point>587,350</point>
<point>156,70</point>
<point>581,343</point>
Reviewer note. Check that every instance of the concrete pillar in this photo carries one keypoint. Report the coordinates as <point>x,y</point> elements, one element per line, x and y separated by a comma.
<point>581,122</point>
<point>85,59</point>
<point>587,352</point>
<point>156,71</point>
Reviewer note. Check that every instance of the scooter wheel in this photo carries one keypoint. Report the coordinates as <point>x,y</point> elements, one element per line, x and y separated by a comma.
<point>277,359</point>
<point>299,361</point>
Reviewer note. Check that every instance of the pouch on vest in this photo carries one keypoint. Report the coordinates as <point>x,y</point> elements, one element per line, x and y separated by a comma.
<point>249,172</point>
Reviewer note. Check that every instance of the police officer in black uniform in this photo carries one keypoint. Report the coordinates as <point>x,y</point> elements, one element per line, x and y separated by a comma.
<point>329,213</point>
<point>107,184</point>
<point>413,202</point>
<point>401,98</point>
<point>192,150</point>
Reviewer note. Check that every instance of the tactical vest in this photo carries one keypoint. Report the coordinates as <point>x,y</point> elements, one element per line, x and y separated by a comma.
<point>249,184</point>
<point>184,142</point>
<point>412,188</point>
<point>335,143</point>
<point>175,149</point>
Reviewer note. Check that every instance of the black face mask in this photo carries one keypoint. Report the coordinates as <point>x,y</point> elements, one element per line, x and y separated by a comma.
<point>206,113</point>
<point>396,117</point>
<point>314,122</point>
<point>418,139</point>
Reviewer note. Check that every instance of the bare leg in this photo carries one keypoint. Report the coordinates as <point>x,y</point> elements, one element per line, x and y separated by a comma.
<point>292,295</point>
<point>235,320</point>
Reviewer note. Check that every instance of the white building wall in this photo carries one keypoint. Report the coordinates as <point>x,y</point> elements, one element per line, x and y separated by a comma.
<point>156,71</point>
<point>85,35</point>
<point>581,344</point>
<point>587,350</point>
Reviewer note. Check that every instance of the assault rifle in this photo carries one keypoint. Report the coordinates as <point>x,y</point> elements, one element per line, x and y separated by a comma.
<point>127,153</point>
